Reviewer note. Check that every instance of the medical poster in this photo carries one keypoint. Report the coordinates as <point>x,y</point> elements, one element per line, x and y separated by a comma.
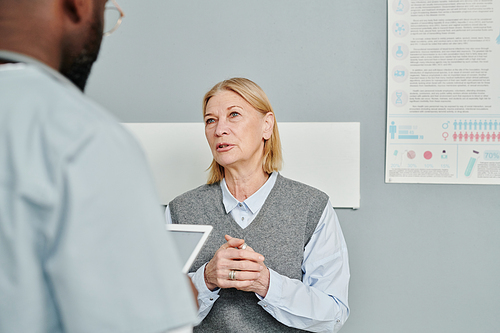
<point>443,96</point>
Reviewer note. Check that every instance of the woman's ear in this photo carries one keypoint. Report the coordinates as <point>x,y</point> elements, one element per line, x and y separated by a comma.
<point>268,125</point>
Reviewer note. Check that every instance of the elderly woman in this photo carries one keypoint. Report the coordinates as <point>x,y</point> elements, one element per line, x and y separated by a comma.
<point>276,260</point>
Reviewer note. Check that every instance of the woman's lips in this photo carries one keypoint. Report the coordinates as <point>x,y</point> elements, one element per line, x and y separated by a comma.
<point>222,147</point>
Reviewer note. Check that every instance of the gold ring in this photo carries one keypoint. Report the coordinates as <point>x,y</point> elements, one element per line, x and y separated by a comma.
<point>232,275</point>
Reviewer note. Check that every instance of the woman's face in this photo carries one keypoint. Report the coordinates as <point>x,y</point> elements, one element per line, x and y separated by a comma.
<point>235,131</point>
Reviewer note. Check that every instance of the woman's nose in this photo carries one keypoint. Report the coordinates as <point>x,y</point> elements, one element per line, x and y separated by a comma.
<point>222,128</point>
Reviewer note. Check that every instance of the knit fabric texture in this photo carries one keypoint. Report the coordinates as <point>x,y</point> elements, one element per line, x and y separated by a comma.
<point>279,232</point>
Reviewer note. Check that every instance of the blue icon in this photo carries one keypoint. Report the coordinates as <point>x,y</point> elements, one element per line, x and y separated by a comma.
<point>392,130</point>
<point>472,161</point>
<point>398,73</point>
<point>398,97</point>
<point>399,52</point>
<point>400,29</point>
<point>400,6</point>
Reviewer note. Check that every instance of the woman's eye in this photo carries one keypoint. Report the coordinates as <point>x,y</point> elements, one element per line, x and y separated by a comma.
<point>209,121</point>
<point>234,114</point>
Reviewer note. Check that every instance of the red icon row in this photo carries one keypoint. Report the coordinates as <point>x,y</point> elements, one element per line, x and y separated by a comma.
<point>476,137</point>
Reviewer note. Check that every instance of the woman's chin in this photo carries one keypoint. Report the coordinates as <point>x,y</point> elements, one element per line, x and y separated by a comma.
<point>227,162</point>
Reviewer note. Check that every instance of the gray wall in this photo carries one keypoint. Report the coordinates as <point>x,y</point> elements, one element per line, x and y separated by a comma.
<point>424,258</point>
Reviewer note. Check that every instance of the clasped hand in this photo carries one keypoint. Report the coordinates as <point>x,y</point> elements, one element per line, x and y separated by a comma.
<point>250,272</point>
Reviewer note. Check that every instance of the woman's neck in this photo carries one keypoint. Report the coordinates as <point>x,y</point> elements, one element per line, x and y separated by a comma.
<point>243,185</point>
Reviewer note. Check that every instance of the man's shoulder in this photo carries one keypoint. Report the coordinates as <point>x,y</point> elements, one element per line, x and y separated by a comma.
<point>32,86</point>
<point>58,109</point>
<point>61,121</point>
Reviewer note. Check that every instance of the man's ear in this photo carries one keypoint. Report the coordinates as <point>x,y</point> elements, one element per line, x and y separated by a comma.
<point>77,10</point>
<point>268,125</point>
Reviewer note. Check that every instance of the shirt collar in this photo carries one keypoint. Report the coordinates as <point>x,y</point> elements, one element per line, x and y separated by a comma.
<point>17,57</point>
<point>255,201</point>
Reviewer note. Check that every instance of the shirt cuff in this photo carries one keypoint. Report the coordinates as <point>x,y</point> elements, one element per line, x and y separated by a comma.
<point>206,297</point>
<point>198,279</point>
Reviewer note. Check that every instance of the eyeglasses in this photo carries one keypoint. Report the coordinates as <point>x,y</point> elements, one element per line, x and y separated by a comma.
<point>113,16</point>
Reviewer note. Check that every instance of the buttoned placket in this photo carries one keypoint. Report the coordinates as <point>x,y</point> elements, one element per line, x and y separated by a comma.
<point>242,214</point>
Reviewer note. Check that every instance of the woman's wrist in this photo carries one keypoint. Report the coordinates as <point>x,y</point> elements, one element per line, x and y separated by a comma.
<point>210,286</point>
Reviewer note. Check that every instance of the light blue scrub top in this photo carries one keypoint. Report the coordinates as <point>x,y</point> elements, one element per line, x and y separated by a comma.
<point>83,246</point>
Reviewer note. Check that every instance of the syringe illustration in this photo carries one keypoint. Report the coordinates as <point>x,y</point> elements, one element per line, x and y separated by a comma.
<point>472,162</point>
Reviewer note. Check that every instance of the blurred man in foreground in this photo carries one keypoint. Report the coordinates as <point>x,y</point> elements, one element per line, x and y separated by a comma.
<point>82,240</point>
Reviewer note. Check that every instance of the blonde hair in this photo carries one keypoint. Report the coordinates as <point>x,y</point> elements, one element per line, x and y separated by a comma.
<point>255,96</point>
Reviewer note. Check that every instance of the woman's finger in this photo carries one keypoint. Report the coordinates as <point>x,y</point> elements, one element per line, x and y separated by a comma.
<point>235,275</point>
<point>234,242</point>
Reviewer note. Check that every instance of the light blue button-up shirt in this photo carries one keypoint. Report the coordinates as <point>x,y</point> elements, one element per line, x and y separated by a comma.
<point>82,240</point>
<point>318,303</point>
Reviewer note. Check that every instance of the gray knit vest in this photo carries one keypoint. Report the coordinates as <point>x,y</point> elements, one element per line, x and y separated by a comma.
<point>279,232</point>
